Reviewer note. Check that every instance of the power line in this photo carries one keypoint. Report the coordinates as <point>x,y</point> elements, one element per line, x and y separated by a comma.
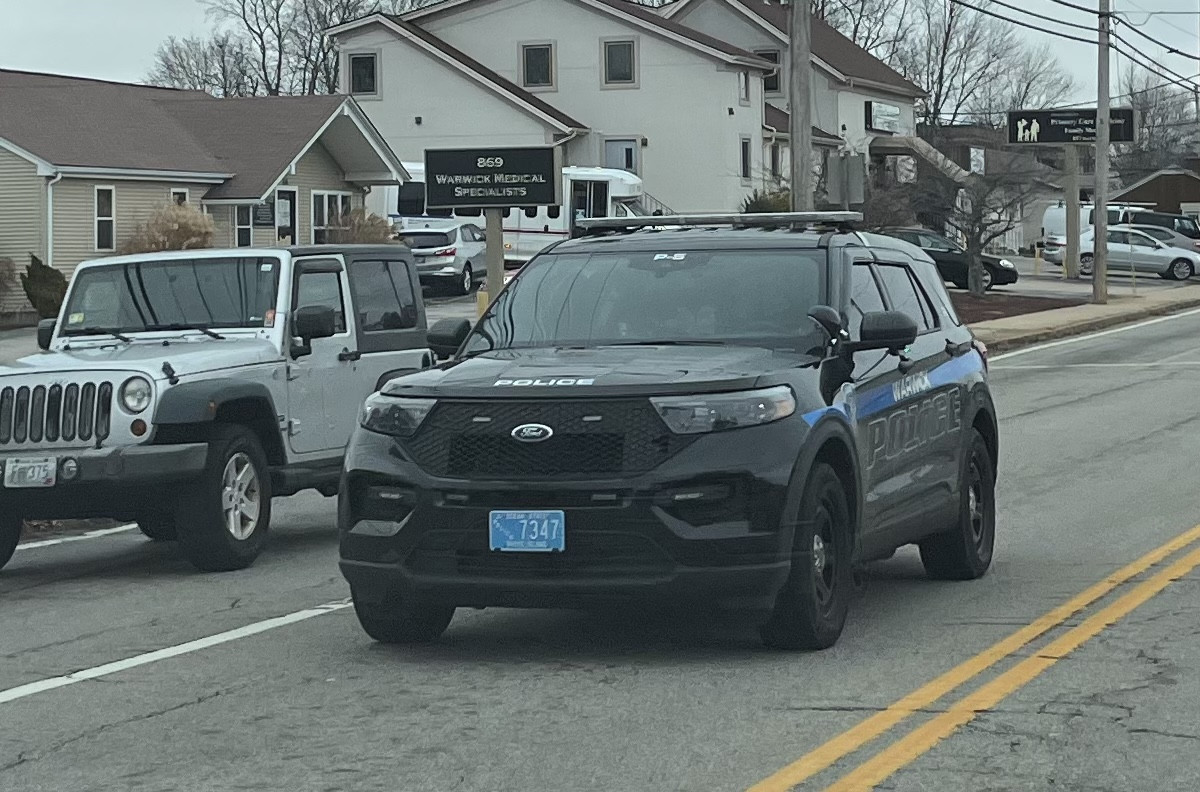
<point>1170,72</point>
<point>1023,24</point>
<point>1170,50</point>
<point>1036,15</point>
<point>1084,9</point>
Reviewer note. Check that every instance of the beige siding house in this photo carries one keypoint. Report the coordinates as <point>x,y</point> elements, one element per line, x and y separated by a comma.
<point>84,162</point>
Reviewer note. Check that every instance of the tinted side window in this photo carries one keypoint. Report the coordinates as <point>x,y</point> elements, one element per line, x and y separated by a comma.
<point>383,297</point>
<point>932,285</point>
<point>905,294</point>
<point>322,288</point>
<point>865,296</point>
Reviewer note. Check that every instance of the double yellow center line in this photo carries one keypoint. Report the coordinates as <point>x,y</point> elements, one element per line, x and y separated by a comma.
<point>905,750</point>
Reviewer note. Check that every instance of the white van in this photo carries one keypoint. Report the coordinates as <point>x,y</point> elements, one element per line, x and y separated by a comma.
<point>587,192</point>
<point>1054,221</point>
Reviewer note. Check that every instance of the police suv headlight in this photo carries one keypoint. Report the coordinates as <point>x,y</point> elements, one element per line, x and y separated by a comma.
<point>394,415</point>
<point>718,411</point>
<point>135,395</point>
<point>1006,264</point>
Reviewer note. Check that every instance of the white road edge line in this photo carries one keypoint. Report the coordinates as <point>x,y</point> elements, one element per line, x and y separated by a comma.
<point>1089,336</point>
<point>77,537</point>
<point>52,683</point>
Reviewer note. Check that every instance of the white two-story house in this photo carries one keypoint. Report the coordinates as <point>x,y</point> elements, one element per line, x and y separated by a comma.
<point>615,83</point>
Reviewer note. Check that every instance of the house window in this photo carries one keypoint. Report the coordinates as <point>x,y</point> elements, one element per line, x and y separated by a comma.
<point>106,222</point>
<point>620,67</point>
<point>744,87</point>
<point>179,195</point>
<point>537,65</point>
<point>745,163</point>
<point>330,210</point>
<point>364,74</point>
<point>621,154</point>
<point>243,232</point>
<point>771,81</point>
<point>776,161</point>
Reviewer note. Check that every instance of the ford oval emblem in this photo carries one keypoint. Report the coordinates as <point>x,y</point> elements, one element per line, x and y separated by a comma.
<point>532,433</point>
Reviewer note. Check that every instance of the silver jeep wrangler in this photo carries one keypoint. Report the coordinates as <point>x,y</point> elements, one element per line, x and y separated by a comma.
<point>185,390</point>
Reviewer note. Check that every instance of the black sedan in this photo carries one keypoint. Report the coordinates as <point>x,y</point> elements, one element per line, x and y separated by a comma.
<point>951,259</point>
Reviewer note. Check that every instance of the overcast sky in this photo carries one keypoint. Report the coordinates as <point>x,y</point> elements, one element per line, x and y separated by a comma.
<point>116,39</point>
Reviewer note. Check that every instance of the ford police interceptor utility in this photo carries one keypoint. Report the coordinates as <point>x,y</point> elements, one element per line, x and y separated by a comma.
<point>734,410</point>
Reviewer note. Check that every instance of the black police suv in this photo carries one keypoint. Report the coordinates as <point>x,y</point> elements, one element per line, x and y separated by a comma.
<point>734,411</point>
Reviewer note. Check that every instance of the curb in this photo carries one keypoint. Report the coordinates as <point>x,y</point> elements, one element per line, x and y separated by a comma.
<point>1090,325</point>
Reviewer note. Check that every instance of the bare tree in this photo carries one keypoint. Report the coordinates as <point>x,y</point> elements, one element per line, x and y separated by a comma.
<point>219,64</point>
<point>268,25</point>
<point>1166,131</point>
<point>1032,78</point>
<point>878,26</point>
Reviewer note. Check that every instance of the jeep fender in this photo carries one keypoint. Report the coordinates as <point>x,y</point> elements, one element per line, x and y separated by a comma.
<point>832,427</point>
<point>199,402</point>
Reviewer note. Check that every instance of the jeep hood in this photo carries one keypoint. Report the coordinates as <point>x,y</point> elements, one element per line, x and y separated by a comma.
<point>186,356</point>
<point>599,371</point>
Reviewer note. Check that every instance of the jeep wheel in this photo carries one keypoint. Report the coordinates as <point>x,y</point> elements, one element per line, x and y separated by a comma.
<point>10,534</point>
<point>158,527</point>
<point>965,551</point>
<point>401,621</point>
<point>810,611</point>
<point>224,517</point>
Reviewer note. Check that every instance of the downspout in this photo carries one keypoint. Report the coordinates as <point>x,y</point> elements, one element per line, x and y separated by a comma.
<point>50,218</point>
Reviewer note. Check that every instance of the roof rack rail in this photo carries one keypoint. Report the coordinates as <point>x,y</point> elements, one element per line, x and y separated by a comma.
<point>739,220</point>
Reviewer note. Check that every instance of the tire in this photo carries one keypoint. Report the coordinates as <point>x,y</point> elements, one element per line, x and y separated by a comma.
<point>810,611</point>
<point>220,537</point>
<point>965,551</point>
<point>1181,270</point>
<point>989,279</point>
<point>1086,261</point>
<point>158,527</point>
<point>10,534</point>
<point>402,622</point>
<point>466,281</point>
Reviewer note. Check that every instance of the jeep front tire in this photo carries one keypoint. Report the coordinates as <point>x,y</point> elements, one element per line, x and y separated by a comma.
<point>224,515</point>
<point>10,534</point>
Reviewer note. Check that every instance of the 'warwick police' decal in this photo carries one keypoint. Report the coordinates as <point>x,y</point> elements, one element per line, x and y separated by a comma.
<point>907,387</point>
<point>908,429</point>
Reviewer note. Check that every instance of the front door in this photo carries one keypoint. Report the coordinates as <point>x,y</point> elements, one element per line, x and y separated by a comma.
<point>320,383</point>
<point>285,216</point>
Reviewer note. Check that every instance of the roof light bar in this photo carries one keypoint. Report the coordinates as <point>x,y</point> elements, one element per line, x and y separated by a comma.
<point>753,220</point>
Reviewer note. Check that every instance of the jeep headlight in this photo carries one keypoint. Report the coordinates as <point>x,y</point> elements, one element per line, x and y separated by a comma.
<point>717,411</point>
<point>135,395</point>
<point>395,415</point>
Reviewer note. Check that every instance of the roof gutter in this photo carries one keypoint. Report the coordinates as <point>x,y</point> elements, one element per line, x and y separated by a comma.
<point>50,218</point>
<point>147,174</point>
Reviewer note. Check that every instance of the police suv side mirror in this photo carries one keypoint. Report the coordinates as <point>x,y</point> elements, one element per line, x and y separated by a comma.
<point>45,333</point>
<point>890,330</point>
<point>447,335</point>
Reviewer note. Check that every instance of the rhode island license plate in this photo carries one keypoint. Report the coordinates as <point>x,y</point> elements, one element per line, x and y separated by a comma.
<point>527,531</point>
<point>20,472</point>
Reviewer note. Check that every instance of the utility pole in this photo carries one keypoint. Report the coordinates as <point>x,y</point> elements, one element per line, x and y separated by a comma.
<point>800,105</point>
<point>1071,186</point>
<point>1103,121</point>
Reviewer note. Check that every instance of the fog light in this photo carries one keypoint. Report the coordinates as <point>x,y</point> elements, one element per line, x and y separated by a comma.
<point>138,427</point>
<point>70,469</point>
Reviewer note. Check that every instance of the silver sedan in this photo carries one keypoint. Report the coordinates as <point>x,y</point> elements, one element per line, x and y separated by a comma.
<point>1131,250</point>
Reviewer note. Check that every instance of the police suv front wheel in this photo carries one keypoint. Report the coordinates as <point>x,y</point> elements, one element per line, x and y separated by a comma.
<point>965,551</point>
<point>10,534</point>
<point>810,610</point>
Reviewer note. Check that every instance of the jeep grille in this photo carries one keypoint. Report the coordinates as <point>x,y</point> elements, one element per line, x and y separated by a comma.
<point>39,414</point>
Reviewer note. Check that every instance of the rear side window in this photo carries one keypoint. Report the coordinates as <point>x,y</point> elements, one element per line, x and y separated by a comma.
<point>383,297</point>
<point>931,283</point>
<point>906,295</point>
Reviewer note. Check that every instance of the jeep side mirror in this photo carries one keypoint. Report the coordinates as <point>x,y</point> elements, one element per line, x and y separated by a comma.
<point>828,318</point>
<point>45,332</point>
<point>447,335</point>
<point>890,330</point>
<point>309,322</point>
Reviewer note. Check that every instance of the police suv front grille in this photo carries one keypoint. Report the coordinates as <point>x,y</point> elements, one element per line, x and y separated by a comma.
<point>464,438</point>
<point>39,414</point>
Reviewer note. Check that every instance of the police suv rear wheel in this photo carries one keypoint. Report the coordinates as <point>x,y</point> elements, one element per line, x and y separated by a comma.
<point>224,516</point>
<point>402,620</point>
<point>10,534</point>
<point>965,551</point>
<point>810,611</point>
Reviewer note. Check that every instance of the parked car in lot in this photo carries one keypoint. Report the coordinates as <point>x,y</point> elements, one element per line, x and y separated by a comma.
<point>185,390</point>
<point>678,410</point>
<point>1131,250</point>
<point>1167,235</point>
<point>448,254</point>
<point>951,259</point>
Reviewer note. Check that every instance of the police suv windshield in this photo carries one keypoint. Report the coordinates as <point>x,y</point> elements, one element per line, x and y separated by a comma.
<point>754,297</point>
<point>173,294</point>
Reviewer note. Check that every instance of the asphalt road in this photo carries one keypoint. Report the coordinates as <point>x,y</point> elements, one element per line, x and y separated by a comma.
<point>1098,445</point>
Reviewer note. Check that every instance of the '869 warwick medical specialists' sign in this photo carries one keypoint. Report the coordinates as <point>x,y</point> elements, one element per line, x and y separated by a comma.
<point>493,177</point>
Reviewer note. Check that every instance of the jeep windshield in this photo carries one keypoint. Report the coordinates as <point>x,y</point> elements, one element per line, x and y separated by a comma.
<point>173,294</point>
<point>758,297</point>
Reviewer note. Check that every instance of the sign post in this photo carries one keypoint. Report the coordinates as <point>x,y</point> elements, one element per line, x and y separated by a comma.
<point>494,180</point>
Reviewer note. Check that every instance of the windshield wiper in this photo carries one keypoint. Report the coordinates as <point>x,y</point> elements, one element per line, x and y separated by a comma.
<point>101,331</point>
<point>179,326</point>
<point>670,342</point>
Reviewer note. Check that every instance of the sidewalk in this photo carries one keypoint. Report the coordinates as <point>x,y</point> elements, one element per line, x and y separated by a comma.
<point>1025,329</point>
<point>17,343</point>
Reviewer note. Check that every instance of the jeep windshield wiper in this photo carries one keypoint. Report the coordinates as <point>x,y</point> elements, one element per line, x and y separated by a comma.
<point>100,331</point>
<point>180,326</point>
